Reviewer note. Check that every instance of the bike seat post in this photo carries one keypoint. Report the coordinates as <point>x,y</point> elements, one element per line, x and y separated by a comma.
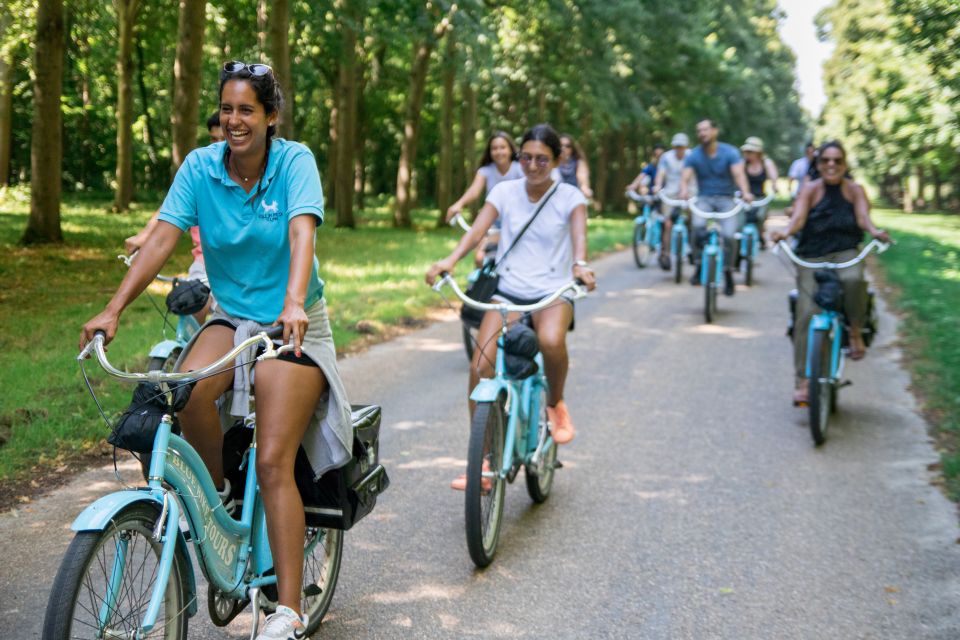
<point>500,368</point>
<point>158,459</point>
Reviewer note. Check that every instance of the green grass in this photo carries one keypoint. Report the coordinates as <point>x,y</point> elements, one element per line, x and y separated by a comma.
<point>47,417</point>
<point>924,268</point>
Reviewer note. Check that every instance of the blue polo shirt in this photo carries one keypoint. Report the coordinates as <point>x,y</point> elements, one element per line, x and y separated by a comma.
<point>245,236</point>
<point>713,173</point>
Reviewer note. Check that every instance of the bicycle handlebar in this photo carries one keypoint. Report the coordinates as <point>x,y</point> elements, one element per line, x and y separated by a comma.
<point>95,346</point>
<point>459,221</point>
<point>873,244</point>
<point>446,279</point>
<point>128,260</point>
<point>636,197</point>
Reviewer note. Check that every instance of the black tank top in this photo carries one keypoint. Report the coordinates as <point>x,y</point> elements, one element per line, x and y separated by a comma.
<point>756,181</point>
<point>831,226</point>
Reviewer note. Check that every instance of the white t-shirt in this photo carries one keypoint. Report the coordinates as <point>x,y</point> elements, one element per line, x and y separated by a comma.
<point>672,167</point>
<point>491,175</point>
<point>798,169</point>
<point>542,261</point>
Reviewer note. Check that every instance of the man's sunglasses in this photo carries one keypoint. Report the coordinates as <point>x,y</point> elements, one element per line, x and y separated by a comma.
<point>256,69</point>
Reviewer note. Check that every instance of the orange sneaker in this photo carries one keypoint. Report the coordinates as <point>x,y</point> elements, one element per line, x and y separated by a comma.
<point>561,426</point>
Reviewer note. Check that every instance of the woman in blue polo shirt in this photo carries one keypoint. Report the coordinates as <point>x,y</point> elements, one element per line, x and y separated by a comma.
<point>257,202</point>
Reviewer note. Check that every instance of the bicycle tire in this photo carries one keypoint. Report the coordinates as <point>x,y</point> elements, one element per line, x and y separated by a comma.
<point>748,274</point>
<point>710,290</point>
<point>483,510</point>
<point>540,479</point>
<point>641,250</point>
<point>323,551</point>
<point>78,591</point>
<point>820,386</point>
<point>468,340</point>
<point>678,267</point>
<point>157,363</point>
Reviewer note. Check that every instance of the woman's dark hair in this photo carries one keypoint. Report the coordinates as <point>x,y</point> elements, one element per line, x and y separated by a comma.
<point>266,88</point>
<point>543,133</point>
<point>575,151</point>
<point>213,120</point>
<point>488,157</point>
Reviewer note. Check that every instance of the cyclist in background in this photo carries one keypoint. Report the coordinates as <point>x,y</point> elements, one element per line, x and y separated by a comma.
<point>551,253</point>
<point>831,215</point>
<point>669,172</point>
<point>258,202</point>
<point>197,270</point>
<point>718,168</point>
<point>760,169</point>
<point>499,163</point>
<point>572,166</point>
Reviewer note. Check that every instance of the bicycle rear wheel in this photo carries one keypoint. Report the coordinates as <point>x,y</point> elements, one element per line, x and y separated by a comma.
<point>822,391</point>
<point>106,580</point>
<point>678,265</point>
<point>641,250</point>
<point>540,477</point>
<point>483,506</point>
<point>710,290</point>
<point>748,274</point>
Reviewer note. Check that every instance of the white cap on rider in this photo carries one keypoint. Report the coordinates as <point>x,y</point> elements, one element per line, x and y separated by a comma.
<point>680,140</point>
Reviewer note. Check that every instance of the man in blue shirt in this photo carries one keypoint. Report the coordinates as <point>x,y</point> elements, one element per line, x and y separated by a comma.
<point>719,171</point>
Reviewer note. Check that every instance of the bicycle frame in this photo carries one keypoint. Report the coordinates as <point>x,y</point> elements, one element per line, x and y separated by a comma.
<point>679,239</point>
<point>827,321</point>
<point>712,249</point>
<point>233,555</point>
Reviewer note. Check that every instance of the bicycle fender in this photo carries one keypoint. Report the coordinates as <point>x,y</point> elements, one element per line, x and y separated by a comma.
<point>820,322</point>
<point>164,349</point>
<point>97,516</point>
<point>488,391</point>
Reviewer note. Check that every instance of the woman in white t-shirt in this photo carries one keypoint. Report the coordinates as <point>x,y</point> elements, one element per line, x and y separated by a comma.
<point>551,252</point>
<point>497,164</point>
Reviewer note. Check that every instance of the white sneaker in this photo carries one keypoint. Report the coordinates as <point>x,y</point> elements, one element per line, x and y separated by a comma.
<point>285,624</point>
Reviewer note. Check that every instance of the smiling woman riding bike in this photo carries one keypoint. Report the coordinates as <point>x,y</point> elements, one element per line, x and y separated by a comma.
<point>830,215</point>
<point>548,251</point>
<point>257,201</point>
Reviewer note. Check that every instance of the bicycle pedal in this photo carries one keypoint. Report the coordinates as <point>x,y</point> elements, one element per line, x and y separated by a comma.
<point>845,383</point>
<point>557,464</point>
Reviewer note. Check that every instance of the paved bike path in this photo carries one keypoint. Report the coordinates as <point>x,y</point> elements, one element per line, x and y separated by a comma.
<point>691,505</point>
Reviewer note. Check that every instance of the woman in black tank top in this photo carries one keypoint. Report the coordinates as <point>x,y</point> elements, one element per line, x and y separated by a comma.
<point>759,168</point>
<point>830,217</point>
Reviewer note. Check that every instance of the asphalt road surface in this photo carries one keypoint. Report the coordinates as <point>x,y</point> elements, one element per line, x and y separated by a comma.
<point>692,504</point>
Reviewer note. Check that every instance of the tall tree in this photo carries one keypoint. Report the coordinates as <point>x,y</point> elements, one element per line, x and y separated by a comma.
<point>186,79</point>
<point>411,120</point>
<point>445,163</point>
<point>126,22</point>
<point>347,81</point>
<point>279,39</point>
<point>46,153</point>
<point>6,93</point>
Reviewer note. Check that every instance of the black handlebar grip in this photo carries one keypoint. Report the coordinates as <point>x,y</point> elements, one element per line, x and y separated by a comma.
<point>275,332</point>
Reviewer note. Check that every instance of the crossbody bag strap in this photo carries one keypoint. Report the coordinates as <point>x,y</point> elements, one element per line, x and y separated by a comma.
<point>543,203</point>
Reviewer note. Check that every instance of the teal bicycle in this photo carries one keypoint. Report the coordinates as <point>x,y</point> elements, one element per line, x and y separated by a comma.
<point>749,239</point>
<point>127,573</point>
<point>509,430</point>
<point>647,229</point>
<point>827,341</point>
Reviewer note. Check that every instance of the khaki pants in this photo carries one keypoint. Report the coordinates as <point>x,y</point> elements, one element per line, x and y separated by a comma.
<point>854,301</point>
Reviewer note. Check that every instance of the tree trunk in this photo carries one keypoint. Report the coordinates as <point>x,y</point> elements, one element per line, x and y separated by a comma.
<point>468,134</point>
<point>330,194</point>
<point>186,79</point>
<point>921,199</point>
<point>126,21</point>
<point>445,161</point>
<point>411,121</point>
<point>46,153</point>
<point>346,122</point>
<point>937,190</point>
<point>621,179</point>
<point>903,184</point>
<point>600,176</point>
<point>144,101</point>
<point>279,35</point>
<point>262,29</point>
<point>6,112</point>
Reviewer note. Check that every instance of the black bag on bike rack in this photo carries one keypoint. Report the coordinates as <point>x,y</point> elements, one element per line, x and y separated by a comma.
<point>829,294</point>
<point>187,297</point>
<point>343,496</point>
<point>137,427</point>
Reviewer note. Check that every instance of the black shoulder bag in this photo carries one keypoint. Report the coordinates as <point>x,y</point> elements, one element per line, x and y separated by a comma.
<point>485,284</point>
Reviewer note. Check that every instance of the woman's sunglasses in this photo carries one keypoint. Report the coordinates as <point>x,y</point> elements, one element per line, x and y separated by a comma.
<point>830,160</point>
<point>256,69</point>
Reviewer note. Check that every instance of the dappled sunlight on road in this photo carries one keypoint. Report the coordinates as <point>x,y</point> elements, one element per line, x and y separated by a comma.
<point>432,344</point>
<point>418,593</point>
<point>637,293</point>
<point>408,425</point>
<point>441,462</point>
<point>739,333</point>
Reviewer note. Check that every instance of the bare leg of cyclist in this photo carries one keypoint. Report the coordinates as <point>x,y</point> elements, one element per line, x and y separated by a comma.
<point>199,419</point>
<point>287,396</point>
<point>552,325</point>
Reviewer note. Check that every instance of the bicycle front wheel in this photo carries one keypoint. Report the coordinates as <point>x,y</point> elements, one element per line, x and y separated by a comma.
<point>748,273</point>
<point>468,339</point>
<point>678,266</point>
<point>483,507</point>
<point>641,250</point>
<point>540,476</point>
<point>821,386</point>
<point>710,290</point>
<point>106,580</point>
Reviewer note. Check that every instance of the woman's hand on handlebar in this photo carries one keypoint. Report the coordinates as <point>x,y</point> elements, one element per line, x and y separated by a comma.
<point>438,267</point>
<point>777,236</point>
<point>882,236</point>
<point>105,321</point>
<point>586,276</point>
<point>453,210</point>
<point>295,324</point>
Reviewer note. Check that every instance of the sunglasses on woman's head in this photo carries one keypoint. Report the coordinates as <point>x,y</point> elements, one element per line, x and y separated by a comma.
<point>256,69</point>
